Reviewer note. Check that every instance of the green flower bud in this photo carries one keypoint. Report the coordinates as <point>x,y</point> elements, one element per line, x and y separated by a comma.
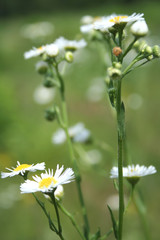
<point>69,56</point>
<point>107,80</point>
<point>150,57</point>
<point>117,65</point>
<point>50,114</point>
<point>148,50</point>
<point>156,51</point>
<point>49,82</point>
<point>114,73</point>
<point>41,67</point>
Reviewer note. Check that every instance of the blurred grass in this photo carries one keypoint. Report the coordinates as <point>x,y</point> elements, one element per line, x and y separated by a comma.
<point>26,136</point>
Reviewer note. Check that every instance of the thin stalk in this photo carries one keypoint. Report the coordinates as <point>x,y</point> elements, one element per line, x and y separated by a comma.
<point>57,215</point>
<point>142,213</point>
<point>72,157</point>
<point>72,219</point>
<point>120,160</point>
<point>129,47</point>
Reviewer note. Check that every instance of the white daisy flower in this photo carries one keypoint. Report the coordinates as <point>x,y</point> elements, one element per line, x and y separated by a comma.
<point>78,133</point>
<point>48,182</point>
<point>22,168</point>
<point>118,19</point>
<point>133,171</point>
<point>35,52</point>
<point>51,50</point>
<point>102,24</point>
<point>139,28</point>
<point>64,44</point>
<point>87,28</point>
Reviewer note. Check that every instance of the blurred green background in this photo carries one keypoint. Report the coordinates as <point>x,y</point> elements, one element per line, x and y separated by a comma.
<point>26,136</point>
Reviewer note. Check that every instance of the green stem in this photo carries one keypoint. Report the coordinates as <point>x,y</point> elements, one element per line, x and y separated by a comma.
<point>72,157</point>
<point>57,215</point>
<point>120,125</point>
<point>129,48</point>
<point>72,219</point>
<point>142,213</point>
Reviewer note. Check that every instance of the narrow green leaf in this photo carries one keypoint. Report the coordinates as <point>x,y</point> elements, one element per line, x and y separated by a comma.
<point>96,236</point>
<point>115,229</point>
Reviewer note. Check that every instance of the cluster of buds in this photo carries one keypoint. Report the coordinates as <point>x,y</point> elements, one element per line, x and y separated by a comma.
<point>114,72</point>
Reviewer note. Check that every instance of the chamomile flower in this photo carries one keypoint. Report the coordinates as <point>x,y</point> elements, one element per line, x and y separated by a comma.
<point>48,182</point>
<point>64,44</point>
<point>139,28</point>
<point>120,19</point>
<point>35,52</point>
<point>134,172</point>
<point>51,50</point>
<point>22,169</point>
<point>78,133</point>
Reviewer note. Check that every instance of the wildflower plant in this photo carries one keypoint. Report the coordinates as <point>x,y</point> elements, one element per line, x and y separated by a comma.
<point>111,32</point>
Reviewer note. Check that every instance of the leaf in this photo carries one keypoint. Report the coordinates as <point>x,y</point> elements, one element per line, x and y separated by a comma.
<point>115,229</point>
<point>116,184</point>
<point>112,96</point>
<point>96,236</point>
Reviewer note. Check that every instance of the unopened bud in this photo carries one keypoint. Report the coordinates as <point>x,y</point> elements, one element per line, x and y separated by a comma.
<point>139,28</point>
<point>50,114</point>
<point>69,56</point>
<point>114,73</point>
<point>107,80</point>
<point>117,51</point>
<point>156,51</point>
<point>117,65</point>
<point>48,82</point>
<point>150,57</point>
<point>41,67</point>
<point>148,50</point>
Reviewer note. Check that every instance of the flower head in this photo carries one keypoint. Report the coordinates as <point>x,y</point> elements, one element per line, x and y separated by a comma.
<point>78,133</point>
<point>35,52</point>
<point>120,19</point>
<point>48,182</point>
<point>64,44</point>
<point>139,28</point>
<point>22,169</point>
<point>133,172</point>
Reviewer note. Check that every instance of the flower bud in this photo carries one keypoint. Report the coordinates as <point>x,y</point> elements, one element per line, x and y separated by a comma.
<point>148,50</point>
<point>116,51</point>
<point>48,82</point>
<point>150,57</point>
<point>156,51</point>
<point>117,65</point>
<point>52,50</point>
<point>41,67</point>
<point>139,29</point>
<point>114,73</point>
<point>50,114</point>
<point>69,56</point>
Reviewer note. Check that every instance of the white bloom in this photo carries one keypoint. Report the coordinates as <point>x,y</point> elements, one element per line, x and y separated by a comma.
<point>22,168</point>
<point>35,52</point>
<point>78,133</point>
<point>43,95</point>
<point>118,19</point>
<point>64,44</point>
<point>133,171</point>
<point>47,182</point>
<point>102,24</point>
<point>87,28</point>
<point>139,28</point>
<point>51,50</point>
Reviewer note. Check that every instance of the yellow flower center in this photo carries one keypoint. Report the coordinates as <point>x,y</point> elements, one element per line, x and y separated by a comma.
<point>118,19</point>
<point>46,182</point>
<point>22,167</point>
<point>40,48</point>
